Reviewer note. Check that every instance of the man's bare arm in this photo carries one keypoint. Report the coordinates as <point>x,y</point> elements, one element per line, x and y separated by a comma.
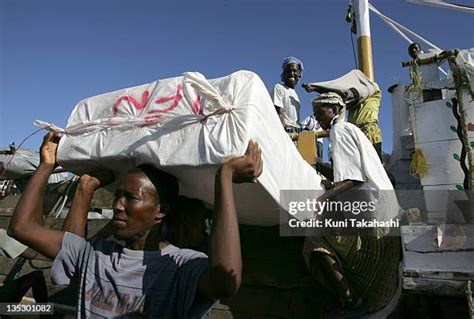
<point>279,111</point>
<point>339,188</point>
<point>325,170</point>
<point>224,275</point>
<point>76,219</point>
<point>314,88</point>
<point>26,224</point>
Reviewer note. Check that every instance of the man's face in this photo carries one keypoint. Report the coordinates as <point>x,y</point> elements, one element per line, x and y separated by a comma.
<point>135,207</point>
<point>324,114</point>
<point>414,50</point>
<point>291,75</point>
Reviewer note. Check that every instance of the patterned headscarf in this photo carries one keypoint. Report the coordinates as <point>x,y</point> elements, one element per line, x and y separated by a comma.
<point>328,98</point>
<point>289,60</point>
<point>331,98</point>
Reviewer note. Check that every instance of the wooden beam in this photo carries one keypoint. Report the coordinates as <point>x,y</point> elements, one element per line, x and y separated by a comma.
<point>438,287</point>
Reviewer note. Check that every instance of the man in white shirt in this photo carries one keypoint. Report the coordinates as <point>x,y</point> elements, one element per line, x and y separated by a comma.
<point>287,102</point>
<point>360,268</point>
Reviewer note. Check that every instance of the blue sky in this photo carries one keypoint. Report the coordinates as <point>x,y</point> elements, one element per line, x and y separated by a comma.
<point>55,53</point>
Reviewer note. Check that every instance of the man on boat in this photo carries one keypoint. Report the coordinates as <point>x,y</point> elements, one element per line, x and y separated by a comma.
<point>285,98</point>
<point>363,111</point>
<point>359,266</point>
<point>414,50</point>
<point>148,276</point>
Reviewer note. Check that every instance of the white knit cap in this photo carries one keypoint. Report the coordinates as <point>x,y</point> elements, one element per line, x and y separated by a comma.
<point>328,98</point>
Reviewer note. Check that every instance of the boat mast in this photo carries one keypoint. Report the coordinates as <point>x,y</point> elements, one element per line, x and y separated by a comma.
<point>364,42</point>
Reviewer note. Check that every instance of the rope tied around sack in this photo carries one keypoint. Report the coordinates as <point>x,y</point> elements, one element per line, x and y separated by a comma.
<point>216,105</point>
<point>220,111</point>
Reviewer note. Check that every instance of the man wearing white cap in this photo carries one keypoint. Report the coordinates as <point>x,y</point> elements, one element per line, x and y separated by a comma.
<point>359,266</point>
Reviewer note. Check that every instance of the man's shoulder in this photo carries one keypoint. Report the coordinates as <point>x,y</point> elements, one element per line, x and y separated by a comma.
<point>344,130</point>
<point>278,89</point>
<point>279,86</point>
<point>342,126</point>
<point>283,88</point>
<point>103,245</point>
<point>183,255</point>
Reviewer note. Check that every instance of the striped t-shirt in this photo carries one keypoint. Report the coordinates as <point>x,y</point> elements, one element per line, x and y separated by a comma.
<point>114,281</point>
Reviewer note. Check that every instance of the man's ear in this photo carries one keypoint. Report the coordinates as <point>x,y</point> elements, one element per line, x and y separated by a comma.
<point>161,211</point>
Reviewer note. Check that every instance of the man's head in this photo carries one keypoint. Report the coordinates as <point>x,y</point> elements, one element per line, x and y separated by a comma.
<point>325,107</point>
<point>292,71</point>
<point>414,49</point>
<point>142,199</point>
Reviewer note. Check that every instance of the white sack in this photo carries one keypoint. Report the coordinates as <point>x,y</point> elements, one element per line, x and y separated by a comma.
<point>187,126</point>
<point>354,79</point>
<point>22,164</point>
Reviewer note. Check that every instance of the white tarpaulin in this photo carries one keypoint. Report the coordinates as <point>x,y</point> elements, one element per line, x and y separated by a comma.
<point>187,126</point>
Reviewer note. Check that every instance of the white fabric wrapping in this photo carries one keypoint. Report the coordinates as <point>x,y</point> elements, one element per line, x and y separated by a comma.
<point>187,126</point>
<point>23,164</point>
<point>354,79</point>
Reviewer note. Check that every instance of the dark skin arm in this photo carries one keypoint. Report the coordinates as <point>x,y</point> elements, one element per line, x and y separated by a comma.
<point>314,88</point>
<point>308,87</point>
<point>339,188</point>
<point>224,275</point>
<point>326,171</point>
<point>76,219</point>
<point>26,224</point>
<point>279,111</point>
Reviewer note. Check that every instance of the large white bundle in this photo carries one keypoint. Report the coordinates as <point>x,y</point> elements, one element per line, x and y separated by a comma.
<point>354,79</point>
<point>18,163</point>
<point>187,126</point>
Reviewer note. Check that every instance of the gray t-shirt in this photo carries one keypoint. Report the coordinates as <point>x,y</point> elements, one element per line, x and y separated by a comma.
<point>114,281</point>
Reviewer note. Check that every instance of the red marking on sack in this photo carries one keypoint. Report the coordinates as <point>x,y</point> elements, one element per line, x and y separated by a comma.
<point>470,127</point>
<point>197,105</point>
<point>131,100</point>
<point>175,98</point>
<point>153,116</point>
